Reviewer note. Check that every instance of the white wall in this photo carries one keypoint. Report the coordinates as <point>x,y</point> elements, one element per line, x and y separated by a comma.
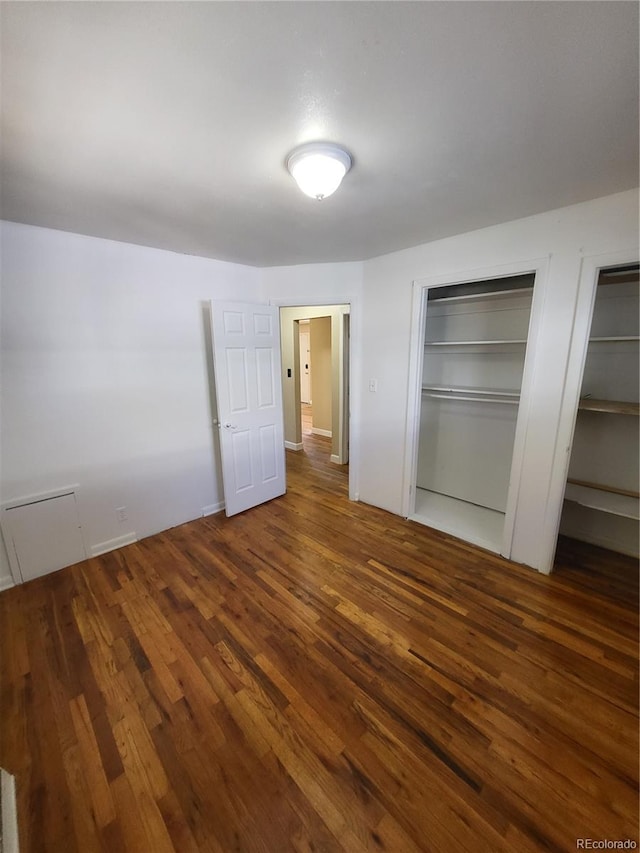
<point>564,236</point>
<point>105,377</point>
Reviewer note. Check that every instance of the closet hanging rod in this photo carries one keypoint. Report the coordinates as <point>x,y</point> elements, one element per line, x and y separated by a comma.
<point>471,343</point>
<point>447,389</point>
<point>509,401</point>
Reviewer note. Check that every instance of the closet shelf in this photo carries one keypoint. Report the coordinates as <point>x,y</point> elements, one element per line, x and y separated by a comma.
<point>613,339</point>
<point>614,277</point>
<point>603,499</point>
<point>613,407</point>
<point>492,392</point>
<point>615,490</point>
<point>492,294</point>
<point>472,343</point>
<point>469,398</point>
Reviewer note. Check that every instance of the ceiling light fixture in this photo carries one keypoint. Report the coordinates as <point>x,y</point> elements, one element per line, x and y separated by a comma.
<point>318,168</point>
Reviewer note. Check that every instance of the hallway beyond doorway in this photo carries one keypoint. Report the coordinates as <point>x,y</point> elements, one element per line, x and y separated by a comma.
<point>307,419</point>
<point>331,397</point>
<point>317,448</point>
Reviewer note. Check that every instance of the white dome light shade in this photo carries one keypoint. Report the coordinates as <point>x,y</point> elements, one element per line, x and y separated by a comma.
<point>318,168</point>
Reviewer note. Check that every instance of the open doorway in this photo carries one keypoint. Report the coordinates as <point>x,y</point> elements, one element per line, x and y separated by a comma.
<point>315,377</point>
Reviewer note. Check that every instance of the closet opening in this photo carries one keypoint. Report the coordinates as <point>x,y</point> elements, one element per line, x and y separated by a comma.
<point>601,499</point>
<point>468,432</point>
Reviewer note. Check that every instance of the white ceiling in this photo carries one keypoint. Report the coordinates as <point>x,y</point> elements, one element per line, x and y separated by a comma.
<point>168,124</point>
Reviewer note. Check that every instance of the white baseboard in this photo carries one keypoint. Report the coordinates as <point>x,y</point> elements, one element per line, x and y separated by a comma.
<point>6,583</point>
<point>212,509</point>
<point>335,458</point>
<point>9,813</point>
<point>112,544</point>
<point>326,432</point>
<point>293,445</point>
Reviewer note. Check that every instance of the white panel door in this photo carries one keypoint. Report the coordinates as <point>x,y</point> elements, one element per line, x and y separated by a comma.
<point>246,358</point>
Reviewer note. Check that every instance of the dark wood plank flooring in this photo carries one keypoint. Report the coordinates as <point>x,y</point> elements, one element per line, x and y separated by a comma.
<point>319,675</point>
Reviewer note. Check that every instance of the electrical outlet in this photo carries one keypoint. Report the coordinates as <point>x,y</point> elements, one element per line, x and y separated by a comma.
<point>121,513</point>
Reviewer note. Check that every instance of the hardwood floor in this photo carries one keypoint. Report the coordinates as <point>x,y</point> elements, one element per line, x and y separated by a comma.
<point>319,675</point>
<point>306,416</point>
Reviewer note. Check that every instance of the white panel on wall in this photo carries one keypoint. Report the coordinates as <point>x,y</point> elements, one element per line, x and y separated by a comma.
<point>43,535</point>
